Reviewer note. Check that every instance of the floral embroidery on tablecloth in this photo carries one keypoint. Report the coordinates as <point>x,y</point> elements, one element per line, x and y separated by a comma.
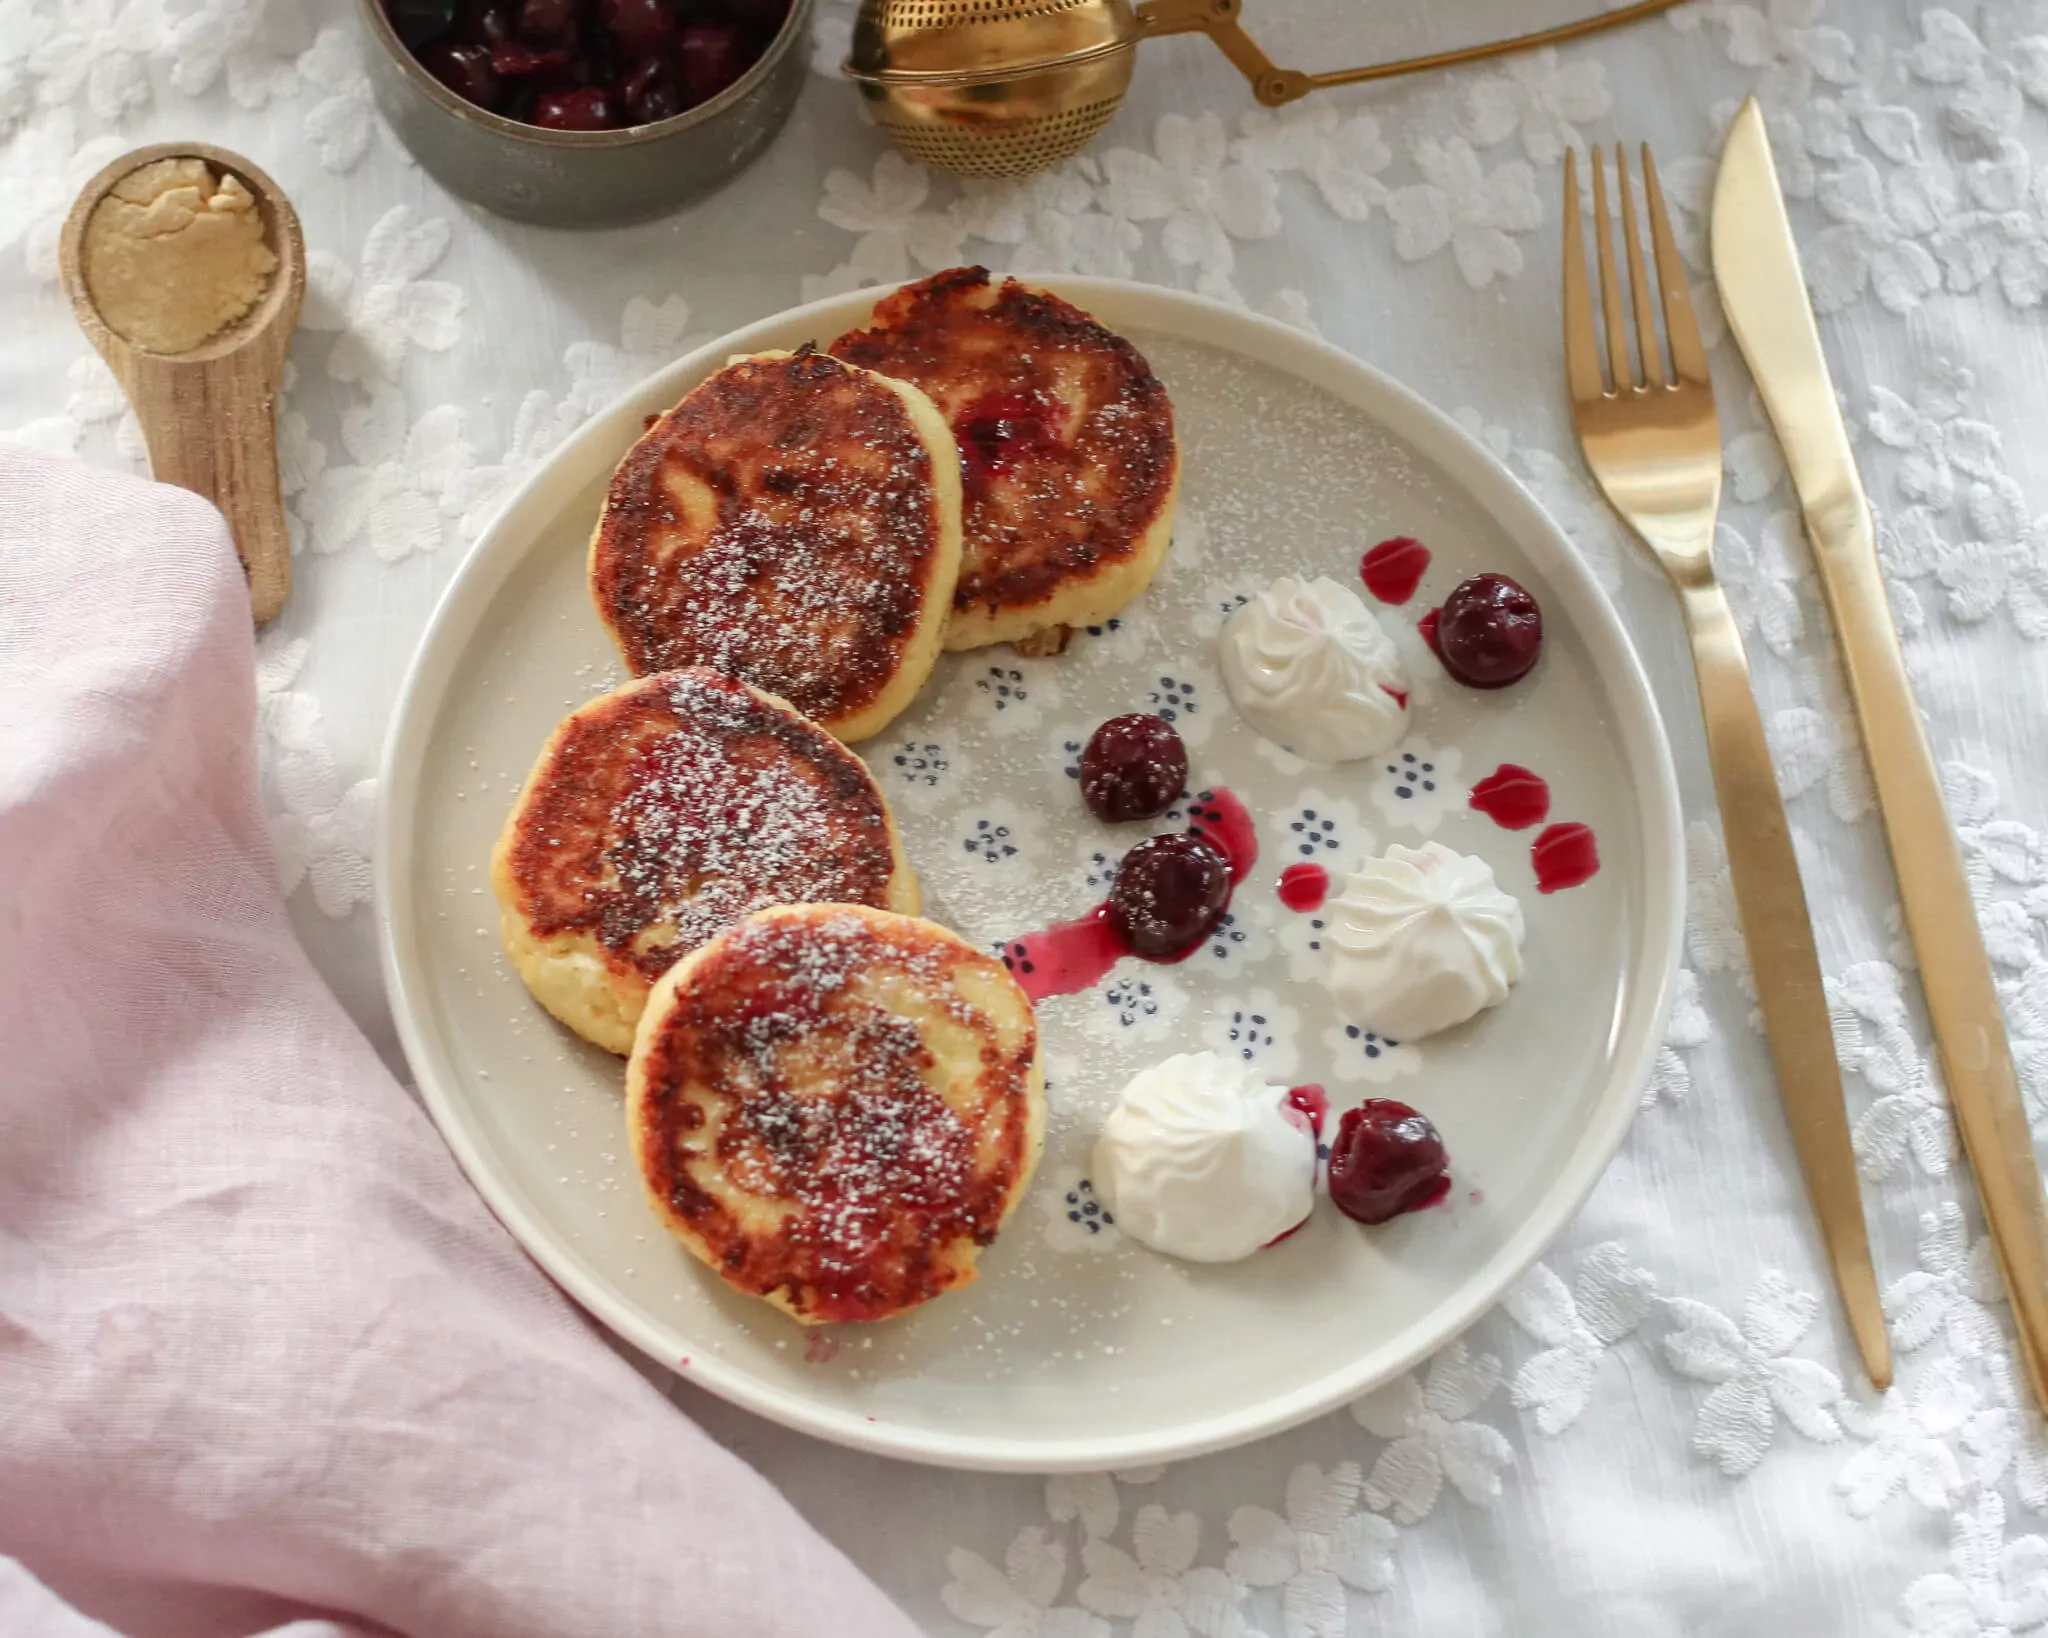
<point>342,123</point>
<point>1756,1376</point>
<point>404,484</point>
<point>388,306</point>
<point>1951,1294</point>
<point>1908,1451</point>
<point>320,825</point>
<point>1874,1040</point>
<point>1321,1545</point>
<point>1992,1588</point>
<point>1157,1583</point>
<point>1576,1324</point>
<point>1020,1600</point>
<point>1689,1027</point>
<point>1435,1436</point>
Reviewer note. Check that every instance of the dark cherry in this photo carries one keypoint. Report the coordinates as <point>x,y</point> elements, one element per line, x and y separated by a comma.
<point>1489,632</point>
<point>652,93</point>
<point>465,68</point>
<point>421,22</point>
<point>491,22</point>
<point>547,22</point>
<point>517,62</point>
<point>1386,1159</point>
<point>641,27</point>
<point>587,108</point>
<point>1169,892</point>
<point>711,56</point>
<point>1135,767</point>
<point>762,16</point>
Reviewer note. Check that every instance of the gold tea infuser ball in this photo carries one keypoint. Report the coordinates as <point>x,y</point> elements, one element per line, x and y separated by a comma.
<point>1007,87</point>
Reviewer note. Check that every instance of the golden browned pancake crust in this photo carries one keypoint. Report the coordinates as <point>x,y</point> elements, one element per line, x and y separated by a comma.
<point>666,811</point>
<point>835,1108</point>
<point>1066,436</point>
<point>781,524</point>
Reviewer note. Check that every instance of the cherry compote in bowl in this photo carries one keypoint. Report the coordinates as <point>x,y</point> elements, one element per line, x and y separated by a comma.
<point>585,113</point>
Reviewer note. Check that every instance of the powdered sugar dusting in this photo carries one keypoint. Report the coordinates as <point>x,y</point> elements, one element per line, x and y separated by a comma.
<point>719,804</point>
<point>779,525</point>
<point>783,1076</point>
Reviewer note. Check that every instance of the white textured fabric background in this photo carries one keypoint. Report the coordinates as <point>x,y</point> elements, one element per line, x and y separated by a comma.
<point>1662,1432</point>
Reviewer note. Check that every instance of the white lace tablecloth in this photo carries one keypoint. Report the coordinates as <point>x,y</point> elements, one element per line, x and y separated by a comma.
<point>1663,1430</point>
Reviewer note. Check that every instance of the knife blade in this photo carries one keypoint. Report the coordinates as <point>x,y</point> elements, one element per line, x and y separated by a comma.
<point>1756,265</point>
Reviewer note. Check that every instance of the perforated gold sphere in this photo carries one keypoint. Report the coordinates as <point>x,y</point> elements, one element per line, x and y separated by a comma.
<point>993,88</point>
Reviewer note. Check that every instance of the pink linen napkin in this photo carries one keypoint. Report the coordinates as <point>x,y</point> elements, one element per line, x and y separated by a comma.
<point>264,1356</point>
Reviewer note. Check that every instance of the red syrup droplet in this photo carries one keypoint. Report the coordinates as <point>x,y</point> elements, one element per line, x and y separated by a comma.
<point>1564,856</point>
<point>1303,887</point>
<point>1437,1195</point>
<point>1072,956</point>
<point>1512,797</point>
<point>1427,626</point>
<point>1313,1102</point>
<point>1394,568</point>
<point>1398,695</point>
<point>1225,823</point>
<point>1065,959</point>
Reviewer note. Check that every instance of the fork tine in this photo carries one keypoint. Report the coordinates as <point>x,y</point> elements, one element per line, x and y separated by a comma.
<point>1688,356</point>
<point>1581,351</point>
<point>1648,348</point>
<point>1619,369</point>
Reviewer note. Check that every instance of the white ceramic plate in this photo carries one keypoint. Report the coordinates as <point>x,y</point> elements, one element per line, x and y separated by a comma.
<point>1077,1349</point>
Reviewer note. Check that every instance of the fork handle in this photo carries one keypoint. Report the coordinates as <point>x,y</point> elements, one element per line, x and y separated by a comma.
<point>1771,903</point>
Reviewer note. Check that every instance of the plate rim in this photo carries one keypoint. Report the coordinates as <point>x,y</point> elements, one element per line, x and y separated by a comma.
<point>1471,468</point>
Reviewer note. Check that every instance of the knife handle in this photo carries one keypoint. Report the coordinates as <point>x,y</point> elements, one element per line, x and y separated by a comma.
<point>1941,918</point>
<point>1771,902</point>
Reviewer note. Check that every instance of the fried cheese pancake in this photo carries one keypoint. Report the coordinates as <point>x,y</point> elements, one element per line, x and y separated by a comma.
<point>660,814</point>
<point>835,1108</point>
<point>1067,441</point>
<point>793,522</point>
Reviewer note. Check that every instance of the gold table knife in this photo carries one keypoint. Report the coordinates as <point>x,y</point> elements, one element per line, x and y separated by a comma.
<point>1757,268</point>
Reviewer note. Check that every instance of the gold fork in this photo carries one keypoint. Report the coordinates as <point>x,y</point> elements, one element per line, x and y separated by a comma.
<point>1653,442</point>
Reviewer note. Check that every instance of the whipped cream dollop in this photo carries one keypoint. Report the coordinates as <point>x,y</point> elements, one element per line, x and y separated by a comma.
<point>1204,1160</point>
<point>1311,669</point>
<point>1420,939</point>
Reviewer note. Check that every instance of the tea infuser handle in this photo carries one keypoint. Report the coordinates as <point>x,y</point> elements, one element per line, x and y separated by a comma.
<point>1274,85</point>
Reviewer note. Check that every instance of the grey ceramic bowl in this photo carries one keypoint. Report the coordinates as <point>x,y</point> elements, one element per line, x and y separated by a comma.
<point>584,178</point>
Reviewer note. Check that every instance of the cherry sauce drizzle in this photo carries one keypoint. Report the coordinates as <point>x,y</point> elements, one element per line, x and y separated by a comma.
<point>1394,568</point>
<point>1071,956</point>
<point>1512,797</point>
<point>1564,856</point>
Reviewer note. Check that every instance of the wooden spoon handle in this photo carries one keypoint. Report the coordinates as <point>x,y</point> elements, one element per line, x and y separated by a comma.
<point>212,428</point>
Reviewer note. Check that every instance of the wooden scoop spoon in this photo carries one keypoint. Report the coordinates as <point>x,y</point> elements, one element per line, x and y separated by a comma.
<point>209,415</point>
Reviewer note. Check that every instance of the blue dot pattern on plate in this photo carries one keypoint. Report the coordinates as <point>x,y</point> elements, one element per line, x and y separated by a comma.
<point>1131,999</point>
<point>1003,685</point>
<point>989,842</point>
<point>1100,873</point>
<point>919,764</point>
<point>1108,628</point>
<point>1375,1045</point>
<point>1316,926</point>
<point>1071,750</point>
<point>1226,936</point>
<point>1173,699</point>
<point>1087,1211</point>
<point>1411,773</point>
<point>1314,831</point>
<point>1250,1033</point>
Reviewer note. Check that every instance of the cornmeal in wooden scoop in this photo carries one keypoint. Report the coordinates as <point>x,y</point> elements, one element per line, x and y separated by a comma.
<point>173,254</point>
